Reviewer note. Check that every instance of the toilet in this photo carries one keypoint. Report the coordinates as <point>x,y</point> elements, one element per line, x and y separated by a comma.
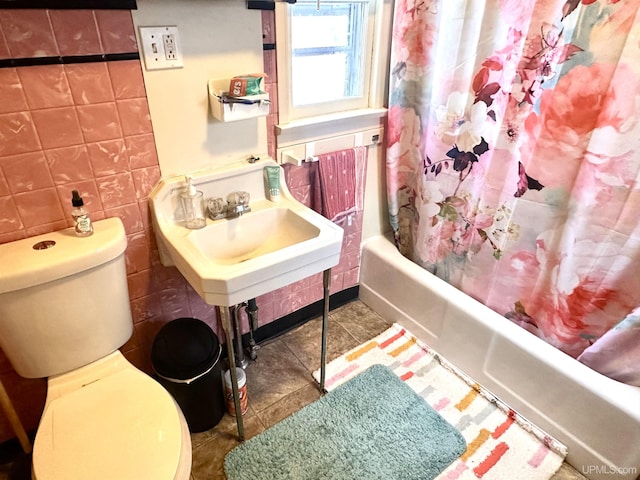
<point>64,313</point>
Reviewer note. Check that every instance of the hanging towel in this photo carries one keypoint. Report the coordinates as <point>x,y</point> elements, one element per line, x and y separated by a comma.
<point>362,153</point>
<point>338,183</point>
<point>316,190</point>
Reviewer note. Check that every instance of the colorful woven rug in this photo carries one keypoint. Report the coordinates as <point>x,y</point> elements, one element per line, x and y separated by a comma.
<point>501,445</point>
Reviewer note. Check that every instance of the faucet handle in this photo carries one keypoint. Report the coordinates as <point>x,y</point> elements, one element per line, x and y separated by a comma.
<point>238,203</point>
<point>216,207</point>
<point>239,198</point>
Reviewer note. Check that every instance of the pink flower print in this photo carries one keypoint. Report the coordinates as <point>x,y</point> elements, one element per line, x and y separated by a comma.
<point>584,101</point>
<point>527,90</point>
<point>542,55</point>
<point>516,12</point>
<point>555,322</point>
<point>586,98</point>
<point>589,2</point>
<point>413,33</point>
<point>604,176</point>
<point>468,239</point>
<point>403,154</point>
<point>513,132</point>
<point>404,125</point>
<point>525,267</point>
<point>562,317</point>
<point>434,244</point>
<point>561,292</point>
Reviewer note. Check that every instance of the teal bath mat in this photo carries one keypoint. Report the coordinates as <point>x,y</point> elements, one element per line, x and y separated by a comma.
<point>372,427</point>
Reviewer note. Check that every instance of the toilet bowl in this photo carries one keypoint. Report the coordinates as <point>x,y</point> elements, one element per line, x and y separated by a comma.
<point>64,314</point>
<point>108,420</point>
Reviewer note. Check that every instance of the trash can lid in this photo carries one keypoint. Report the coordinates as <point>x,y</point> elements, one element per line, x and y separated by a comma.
<point>184,348</point>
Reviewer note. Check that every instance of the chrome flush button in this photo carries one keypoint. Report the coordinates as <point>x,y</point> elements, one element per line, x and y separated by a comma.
<point>43,245</point>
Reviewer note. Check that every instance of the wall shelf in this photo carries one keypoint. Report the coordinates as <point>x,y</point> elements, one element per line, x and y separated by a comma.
<point>231,109</point>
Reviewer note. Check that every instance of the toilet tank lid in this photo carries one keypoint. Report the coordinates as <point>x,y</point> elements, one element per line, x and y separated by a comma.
<point>24,266</point>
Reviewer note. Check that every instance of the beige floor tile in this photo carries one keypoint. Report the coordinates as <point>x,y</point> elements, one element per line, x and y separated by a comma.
<point>227,425</point>
<point>289,405</point>
<point>360,321</point>
<point>208,457</point>
<point>567,472</point>
<point>305,342</point>
<point>275,374</point>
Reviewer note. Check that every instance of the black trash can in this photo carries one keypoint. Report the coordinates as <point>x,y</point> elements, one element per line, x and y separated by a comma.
<point>186,358</point>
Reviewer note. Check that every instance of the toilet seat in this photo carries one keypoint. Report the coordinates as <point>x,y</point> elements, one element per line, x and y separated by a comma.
<point>122,426</point>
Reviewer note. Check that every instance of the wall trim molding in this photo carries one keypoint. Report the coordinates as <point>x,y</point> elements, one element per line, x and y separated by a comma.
<point>35,61</point>
<point>70,4</point>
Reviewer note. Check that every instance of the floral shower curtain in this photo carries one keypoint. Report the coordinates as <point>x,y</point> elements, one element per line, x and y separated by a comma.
<point>513,163</point>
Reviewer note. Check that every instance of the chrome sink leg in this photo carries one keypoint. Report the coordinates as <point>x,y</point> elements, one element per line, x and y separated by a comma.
<point>225,319</point>
<point>326,285</point>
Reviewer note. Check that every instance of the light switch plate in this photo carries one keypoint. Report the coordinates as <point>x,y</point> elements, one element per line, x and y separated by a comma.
<point>161,47</point>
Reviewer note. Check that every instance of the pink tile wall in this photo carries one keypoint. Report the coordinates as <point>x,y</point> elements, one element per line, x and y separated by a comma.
<point>344,275</point>
<point>49,33</point>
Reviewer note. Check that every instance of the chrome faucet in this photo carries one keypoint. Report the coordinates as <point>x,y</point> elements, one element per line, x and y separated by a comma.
<point>238,204</point>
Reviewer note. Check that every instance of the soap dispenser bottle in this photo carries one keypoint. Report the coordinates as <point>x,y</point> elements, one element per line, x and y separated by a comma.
<point>193,206</point>
<point>81,220</point>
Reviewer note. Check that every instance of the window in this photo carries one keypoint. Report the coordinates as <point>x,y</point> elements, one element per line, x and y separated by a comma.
<point>324,56</point>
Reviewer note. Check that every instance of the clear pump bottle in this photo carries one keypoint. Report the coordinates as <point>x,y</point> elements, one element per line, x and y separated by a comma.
<point>81,219</point>
<point>193,206</point>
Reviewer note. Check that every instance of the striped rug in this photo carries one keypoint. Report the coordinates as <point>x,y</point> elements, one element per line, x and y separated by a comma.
<point>501,445</point>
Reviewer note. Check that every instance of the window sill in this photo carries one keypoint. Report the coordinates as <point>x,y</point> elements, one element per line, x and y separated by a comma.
<point>326,126</point>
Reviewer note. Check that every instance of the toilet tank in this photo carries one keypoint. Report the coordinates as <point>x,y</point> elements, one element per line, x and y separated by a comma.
<point>64,301</point>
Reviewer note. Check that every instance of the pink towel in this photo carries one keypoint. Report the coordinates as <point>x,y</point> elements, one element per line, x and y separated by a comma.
<point>338,183</point>
<point>316,189</point>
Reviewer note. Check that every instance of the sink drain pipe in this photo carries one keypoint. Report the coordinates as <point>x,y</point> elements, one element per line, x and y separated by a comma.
<point>251,308</point>
<point>252,312</point>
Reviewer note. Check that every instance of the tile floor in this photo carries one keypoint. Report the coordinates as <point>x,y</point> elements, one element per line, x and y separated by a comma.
<point>280,383</point>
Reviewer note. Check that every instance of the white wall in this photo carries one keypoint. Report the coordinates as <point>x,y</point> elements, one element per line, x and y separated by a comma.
<point>220,39</point>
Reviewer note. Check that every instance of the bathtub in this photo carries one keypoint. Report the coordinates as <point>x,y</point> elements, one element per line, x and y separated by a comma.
<point>597,418</point>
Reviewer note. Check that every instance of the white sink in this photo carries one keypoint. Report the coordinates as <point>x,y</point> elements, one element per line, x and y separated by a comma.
<point>260,232</point>
<point>235,259</point>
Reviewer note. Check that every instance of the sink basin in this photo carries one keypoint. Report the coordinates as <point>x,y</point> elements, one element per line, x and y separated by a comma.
<point>252,235</point>
<point>235,259</point>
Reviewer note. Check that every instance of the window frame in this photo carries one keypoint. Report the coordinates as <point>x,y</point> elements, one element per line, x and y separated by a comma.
<point>287,111</point>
